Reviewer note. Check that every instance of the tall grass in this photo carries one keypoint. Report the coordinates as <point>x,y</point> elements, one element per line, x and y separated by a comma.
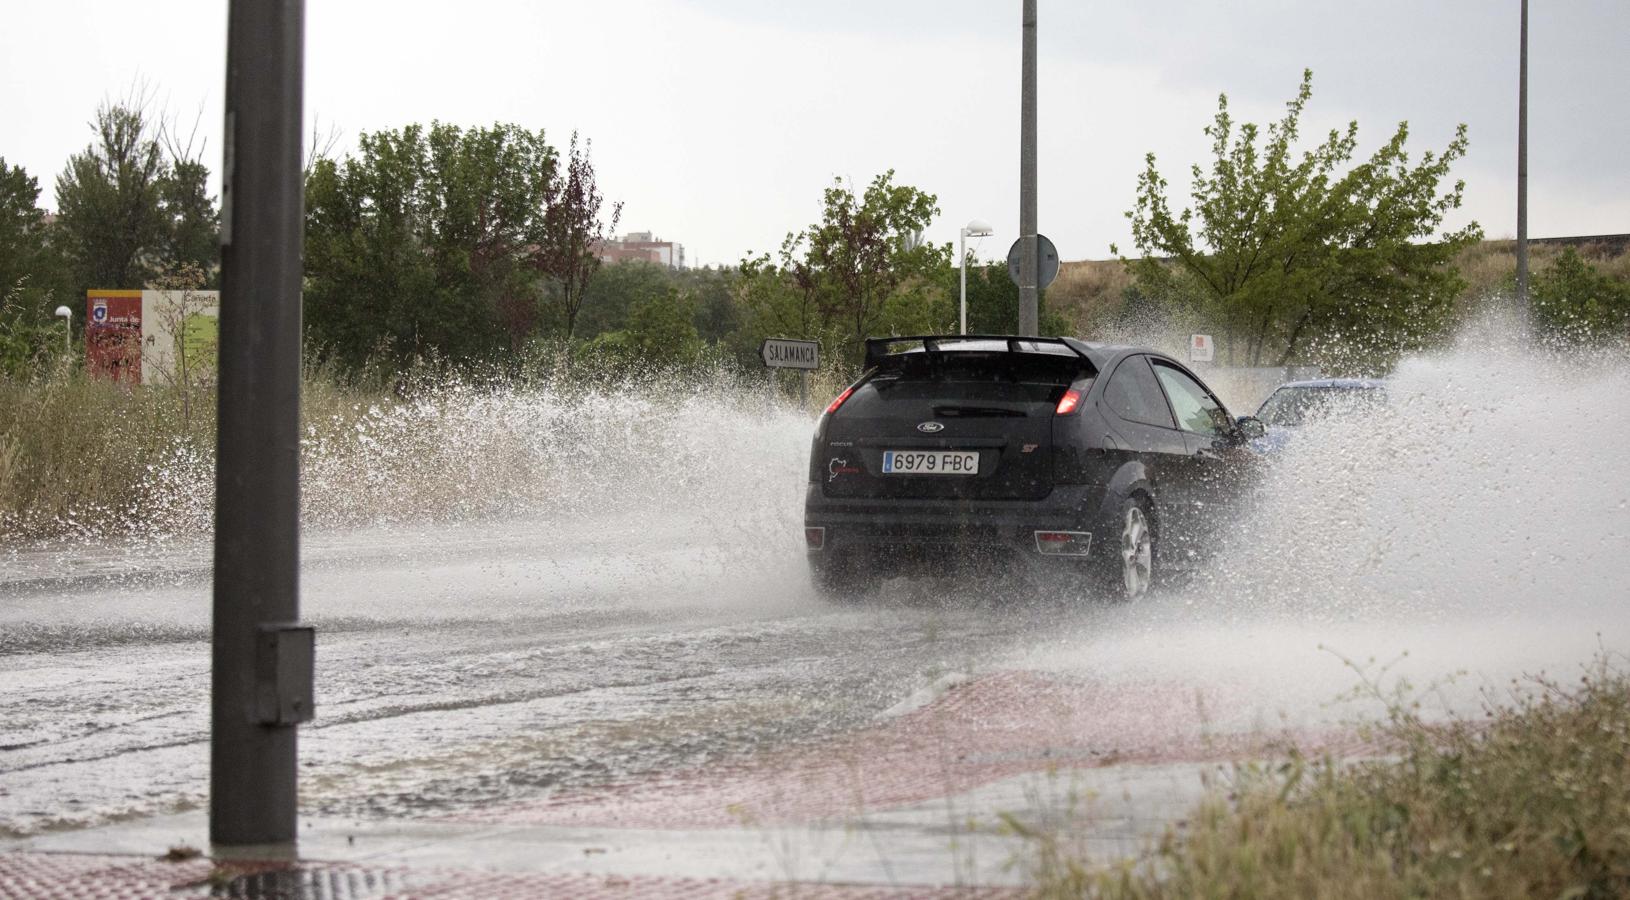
<point>74,452</point>
<point>83,457</point>
<point>1531,800</point>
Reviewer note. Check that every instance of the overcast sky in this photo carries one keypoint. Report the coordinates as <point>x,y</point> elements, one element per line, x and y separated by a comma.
<point>718,122</point>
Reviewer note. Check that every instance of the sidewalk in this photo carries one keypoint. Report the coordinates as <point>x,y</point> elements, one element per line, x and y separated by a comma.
<point>911,806</point>
<point>943,847</point>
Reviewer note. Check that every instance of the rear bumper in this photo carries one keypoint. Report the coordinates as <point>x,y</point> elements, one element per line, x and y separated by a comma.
<point>908,536</point>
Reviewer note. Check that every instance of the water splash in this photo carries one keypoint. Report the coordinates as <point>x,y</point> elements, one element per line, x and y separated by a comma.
<point>706,455</point>
<point>1476,529</point>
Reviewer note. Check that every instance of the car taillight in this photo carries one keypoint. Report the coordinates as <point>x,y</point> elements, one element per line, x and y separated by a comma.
<point>1063,543</point>
<point>833,407</point>
<point>1067,403</point>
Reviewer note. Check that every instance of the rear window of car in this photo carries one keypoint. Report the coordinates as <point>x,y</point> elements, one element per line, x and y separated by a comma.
<point>998,377</point>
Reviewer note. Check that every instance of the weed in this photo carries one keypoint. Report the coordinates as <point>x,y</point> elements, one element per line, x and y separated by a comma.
<point>1531,799</point>
<point>181,853</point>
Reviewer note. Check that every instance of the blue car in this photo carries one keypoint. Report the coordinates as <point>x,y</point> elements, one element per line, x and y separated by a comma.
<point>1299,403</point>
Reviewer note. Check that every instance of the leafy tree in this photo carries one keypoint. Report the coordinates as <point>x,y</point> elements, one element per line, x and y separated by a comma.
<point>780,299</point>
<point>717,314</point>
<point>611,298</point>
<point>489,188</point>
<point>424,243</point>
<point>1574,302</point>
<point>32,274</point>
<point>24,252</point>
<point>993,302</point>
<point>193,220</point>
<point>1288,254</point>
<point>860,271</point>
<point>192,246</point>
<point>573,230</point>
<point>865,251</point>
<point>660,331</point>
<point>370,283</point>
<point>110,201</point>
<point>134,205</point>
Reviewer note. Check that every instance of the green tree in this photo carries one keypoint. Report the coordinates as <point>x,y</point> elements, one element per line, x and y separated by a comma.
<point>424,243</point>
<point>193,221</point>
<point>572,233</point>
<point>110,209</point>
<point>611,298</point>
<point>487,204</point>
<point>1575,303</point>
<point>192,245</point>
<point>25,254</point>
<point>1289,254</point>
<point>993,302</point>
<point>32,274</point>
<point>134,205</point>
<point>660,331</point>
<point>861,271</point>
<point>866,255</point>
<point>717,314</point>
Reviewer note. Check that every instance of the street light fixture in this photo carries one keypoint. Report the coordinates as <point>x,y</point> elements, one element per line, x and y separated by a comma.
<point>976,228</point>
<point>67,316</point>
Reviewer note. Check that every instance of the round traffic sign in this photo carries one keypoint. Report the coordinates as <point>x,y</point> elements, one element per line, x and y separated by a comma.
<point>1046,260</point>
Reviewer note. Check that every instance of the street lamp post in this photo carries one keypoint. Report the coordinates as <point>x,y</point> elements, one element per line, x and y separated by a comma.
<point>1522,169</point>
<point>976,228</point>
<point>67,316</point>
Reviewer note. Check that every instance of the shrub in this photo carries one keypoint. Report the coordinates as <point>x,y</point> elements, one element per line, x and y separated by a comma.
<point>1533,800</point>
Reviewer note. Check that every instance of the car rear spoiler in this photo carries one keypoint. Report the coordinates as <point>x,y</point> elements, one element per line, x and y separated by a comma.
<point>878,349</point>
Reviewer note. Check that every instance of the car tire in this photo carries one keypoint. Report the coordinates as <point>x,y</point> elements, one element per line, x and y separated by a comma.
<point>1126,571</point>
<point>843,579</point>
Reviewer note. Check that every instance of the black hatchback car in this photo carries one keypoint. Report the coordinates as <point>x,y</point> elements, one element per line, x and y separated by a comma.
<point>973,454</point>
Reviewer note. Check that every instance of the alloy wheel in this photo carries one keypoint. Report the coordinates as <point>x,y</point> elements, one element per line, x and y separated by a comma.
<point>1137,553</point>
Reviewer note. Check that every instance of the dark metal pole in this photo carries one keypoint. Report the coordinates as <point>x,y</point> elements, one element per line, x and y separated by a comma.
<point>1028,299</point>
<point>1522,170</point>
<point>252,753</point>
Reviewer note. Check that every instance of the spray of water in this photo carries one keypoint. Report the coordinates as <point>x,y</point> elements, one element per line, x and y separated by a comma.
<point>1473,530</point>
<point>1479,521</point>
<point>705,453</point>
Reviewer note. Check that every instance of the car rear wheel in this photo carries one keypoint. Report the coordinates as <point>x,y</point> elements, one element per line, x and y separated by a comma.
<point>1127,571</point>
<point>843,579</point>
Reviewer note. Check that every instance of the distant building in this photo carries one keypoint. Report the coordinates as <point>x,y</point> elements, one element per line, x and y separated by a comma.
<point>642,246</point>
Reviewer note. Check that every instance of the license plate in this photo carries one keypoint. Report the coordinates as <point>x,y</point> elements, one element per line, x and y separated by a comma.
<point>930,462</point>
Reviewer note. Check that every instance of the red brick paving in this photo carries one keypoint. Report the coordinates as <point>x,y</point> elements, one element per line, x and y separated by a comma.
<point>995,727</point>
<point>998,726</point>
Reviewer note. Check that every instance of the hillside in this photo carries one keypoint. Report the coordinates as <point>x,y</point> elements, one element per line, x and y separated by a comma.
<point>1090,293</point>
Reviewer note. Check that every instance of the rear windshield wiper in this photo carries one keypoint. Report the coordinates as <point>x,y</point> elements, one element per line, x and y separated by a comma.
<point>976,411</point>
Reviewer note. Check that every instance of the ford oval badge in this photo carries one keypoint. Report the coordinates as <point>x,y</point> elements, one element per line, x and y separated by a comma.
<point>930,427</point>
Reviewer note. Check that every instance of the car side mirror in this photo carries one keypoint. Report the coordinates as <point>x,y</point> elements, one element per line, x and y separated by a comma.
<point>1249,428</point>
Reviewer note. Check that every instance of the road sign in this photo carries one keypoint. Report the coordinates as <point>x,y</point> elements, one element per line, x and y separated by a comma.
<point>1201,348</point>
<point>1046,261</point>
<point>780,353</point>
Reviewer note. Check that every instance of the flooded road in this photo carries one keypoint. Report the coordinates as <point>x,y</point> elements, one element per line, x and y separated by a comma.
<point>464,670</point>
<point>648,649</point>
